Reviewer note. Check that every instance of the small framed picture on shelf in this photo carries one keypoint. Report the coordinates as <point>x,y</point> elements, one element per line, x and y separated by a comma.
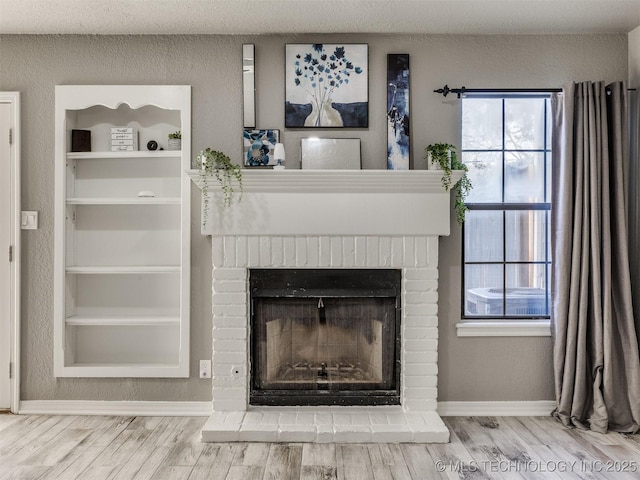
<point>258,146</point>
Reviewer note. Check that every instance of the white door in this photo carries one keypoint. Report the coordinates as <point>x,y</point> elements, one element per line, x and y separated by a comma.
<point>6,224</point>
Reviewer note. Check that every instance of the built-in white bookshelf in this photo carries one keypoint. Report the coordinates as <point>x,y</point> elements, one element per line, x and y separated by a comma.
<point>122,234</point>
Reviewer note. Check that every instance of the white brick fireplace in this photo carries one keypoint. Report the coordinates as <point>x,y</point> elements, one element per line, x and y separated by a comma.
<point>327,219</point>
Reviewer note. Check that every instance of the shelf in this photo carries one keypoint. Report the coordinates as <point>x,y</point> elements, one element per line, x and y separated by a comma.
<point>123,321</point>
<point>118,270</point>
<point>124,201</point>
<point>117,155</point>
<point>121,263</point>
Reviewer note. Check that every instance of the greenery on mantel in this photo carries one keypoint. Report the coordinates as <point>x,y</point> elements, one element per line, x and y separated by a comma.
<point>176,135</point>
<point>444,155</point>
<point>229,176</point>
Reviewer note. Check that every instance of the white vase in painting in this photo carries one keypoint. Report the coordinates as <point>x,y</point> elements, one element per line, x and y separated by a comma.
<point>323,115</point>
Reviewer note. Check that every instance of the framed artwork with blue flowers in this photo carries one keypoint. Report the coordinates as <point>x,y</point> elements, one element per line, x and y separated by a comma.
<point>258,146</point>
<point>326,85</point>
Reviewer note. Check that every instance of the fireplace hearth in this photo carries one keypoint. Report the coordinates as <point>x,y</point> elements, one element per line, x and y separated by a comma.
<point>325,337</point>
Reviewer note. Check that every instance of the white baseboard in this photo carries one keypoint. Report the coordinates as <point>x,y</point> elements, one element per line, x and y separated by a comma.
<point>197,409</point>
<point>118,408</point>
<point>537,408</point>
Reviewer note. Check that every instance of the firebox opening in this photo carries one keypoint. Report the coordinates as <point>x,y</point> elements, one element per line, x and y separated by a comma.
<point>325,337</point>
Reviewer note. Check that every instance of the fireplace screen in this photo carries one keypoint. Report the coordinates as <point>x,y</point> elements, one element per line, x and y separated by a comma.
<point>325,337</point>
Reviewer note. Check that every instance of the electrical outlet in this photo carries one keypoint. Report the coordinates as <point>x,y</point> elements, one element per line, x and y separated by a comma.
<point>205,368</point>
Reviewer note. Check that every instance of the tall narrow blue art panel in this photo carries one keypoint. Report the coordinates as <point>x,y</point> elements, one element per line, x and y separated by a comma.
<point>398,140</point>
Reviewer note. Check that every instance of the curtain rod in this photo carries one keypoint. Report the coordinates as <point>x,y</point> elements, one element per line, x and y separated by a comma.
<point>461,91</point>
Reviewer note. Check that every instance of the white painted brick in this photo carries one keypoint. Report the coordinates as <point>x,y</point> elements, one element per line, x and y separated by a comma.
<point>427,393</point>
<point>352,434</point>
<point>301,252</point>
<point>422,252</point>
<point>228,310</point>
<point>226,333</point>
<point>237,394</point>
<point>231,298</point>
<point>409,251</point>
<point>324,259</point>
<point>397,252</point>
<point>265,251</point>
<point>233,322</point>
<point>241,251</point>
<point>378,419</point>
<point>420,274</point>
<point>234,358</point>
<point>411,345</point>
<point>287,418</point>
<point>229,286</point>
<point>323,419</point>
<point>419,321</point>
<point>373,252</point>
<point>348,251</point>
<point>229,345</point>
<point>384,252</point>
<point>421,285</point>
<point>420,333</point>
<point>420,309</point>
<point>289,254</point>
<point>325,434</point>
<point>391,434</point>
<point>222,273</point>
<point>313,251</point>
<point>432,247</point>
<point>217,252</point>
<point>421,297</point>
<point>420,357</point>
<point>226,382</point>
<point>277,252</point>
<point>253,251</point>
<point>229,251</point>
<point>342,419</point>
<point>336,252</point>
<point>420,381</point>
<point>297,433</point>
<point>258,433</point>
<point>361,251</point>
<point>410,369</point>
<point>306,418</point>
<point>224,367</point>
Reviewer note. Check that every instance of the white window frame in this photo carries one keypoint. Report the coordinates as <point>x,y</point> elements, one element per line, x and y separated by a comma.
<point>501,327</point>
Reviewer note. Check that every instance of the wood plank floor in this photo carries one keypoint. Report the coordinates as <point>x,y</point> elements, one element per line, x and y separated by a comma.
<point>155,448</point>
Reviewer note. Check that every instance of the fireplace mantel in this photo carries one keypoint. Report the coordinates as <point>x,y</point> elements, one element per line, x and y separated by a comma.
<point>330,202</point>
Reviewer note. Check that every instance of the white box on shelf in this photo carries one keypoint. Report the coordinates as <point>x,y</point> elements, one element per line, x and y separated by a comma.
<point>123,136</point>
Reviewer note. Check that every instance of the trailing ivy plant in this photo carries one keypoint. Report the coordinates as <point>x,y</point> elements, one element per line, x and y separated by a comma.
<point>228,175</point>
<point>444,155</point>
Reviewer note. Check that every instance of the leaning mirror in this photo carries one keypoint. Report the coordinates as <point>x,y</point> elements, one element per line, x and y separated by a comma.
<point>249,85</point>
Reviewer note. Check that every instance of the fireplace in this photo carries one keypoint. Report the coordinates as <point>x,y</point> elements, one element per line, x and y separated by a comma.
<point>366,367</point>
<point>325,336</point>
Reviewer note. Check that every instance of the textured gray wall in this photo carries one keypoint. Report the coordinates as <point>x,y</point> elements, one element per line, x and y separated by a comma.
<point>470,368</point>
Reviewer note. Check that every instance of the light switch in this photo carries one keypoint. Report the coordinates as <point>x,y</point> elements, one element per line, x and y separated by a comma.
<point>29,220</point>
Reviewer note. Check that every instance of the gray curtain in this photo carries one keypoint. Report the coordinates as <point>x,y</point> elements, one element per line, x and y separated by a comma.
<point>596,359</point>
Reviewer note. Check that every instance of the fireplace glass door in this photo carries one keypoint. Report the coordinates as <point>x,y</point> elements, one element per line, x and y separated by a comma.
<point>325,337</point>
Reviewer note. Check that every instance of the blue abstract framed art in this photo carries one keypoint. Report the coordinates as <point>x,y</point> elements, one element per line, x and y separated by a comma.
<point>258,146</point>
<point>398,140</point>
<point>326,85</point>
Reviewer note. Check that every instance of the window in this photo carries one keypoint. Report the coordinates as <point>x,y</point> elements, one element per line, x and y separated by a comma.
<point>506,252</point>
